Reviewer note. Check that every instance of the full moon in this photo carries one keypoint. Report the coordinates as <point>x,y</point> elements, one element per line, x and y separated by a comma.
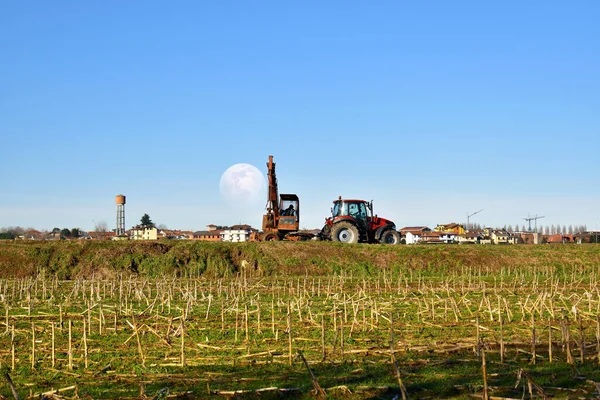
<point>243,185</point>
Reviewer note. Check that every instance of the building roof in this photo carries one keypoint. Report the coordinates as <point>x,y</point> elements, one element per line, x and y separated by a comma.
<point>472,234</point>
<point>414,228</point>
<point>101,235</point>
<point>558,238</point>
<point>451,225</point>
<point>143,227</point>
<point>243,227</point>
<point>207,233</point>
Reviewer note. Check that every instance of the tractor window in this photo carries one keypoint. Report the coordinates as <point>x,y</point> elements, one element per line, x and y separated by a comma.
<point>340,208</point>
<point>344,210</point>
<point>358,210</point>
<point>362,210</point>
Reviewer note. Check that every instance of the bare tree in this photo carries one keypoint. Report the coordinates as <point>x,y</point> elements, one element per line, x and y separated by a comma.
<point>570,229</point>
<point>101,226</point>
<point>14,230</point>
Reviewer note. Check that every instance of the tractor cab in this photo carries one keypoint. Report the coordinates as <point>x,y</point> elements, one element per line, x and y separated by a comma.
<point>358,209</point>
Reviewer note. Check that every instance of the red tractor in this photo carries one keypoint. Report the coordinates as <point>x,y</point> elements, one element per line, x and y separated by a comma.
<point>352,221</point>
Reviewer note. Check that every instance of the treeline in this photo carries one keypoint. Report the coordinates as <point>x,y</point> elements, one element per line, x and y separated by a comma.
<point>16,232</point>
<point>543,229</point>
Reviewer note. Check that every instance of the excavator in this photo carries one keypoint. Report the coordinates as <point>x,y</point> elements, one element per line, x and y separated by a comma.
<point>282,219</point>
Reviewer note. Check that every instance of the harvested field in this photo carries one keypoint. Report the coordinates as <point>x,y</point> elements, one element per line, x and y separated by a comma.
<point>298,319</point>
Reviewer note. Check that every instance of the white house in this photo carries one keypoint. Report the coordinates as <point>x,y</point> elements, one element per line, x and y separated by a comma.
<point>430,237</point>
<point>413,237</point>
<point>448,237</point>
<point>235,235</point>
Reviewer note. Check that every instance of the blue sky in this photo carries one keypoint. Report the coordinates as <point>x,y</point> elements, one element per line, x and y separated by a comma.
<point>433,109</point>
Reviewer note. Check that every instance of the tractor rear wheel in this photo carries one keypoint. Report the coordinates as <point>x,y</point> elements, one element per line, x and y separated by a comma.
<point>344,232</point>
<point>390,237</point>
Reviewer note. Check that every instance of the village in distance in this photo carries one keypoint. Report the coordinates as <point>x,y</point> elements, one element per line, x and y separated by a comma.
<point>445,233</point>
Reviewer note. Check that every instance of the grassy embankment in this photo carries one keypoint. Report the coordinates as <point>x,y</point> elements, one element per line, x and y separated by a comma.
<point>71,260</point>
<point>214,317</point>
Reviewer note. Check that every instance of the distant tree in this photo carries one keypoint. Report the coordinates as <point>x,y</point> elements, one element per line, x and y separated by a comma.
<point>101,226</point>
<point>146,221</point>
<point>552,229</point>
<point>570,229</point>
<point>564,230</point>
<point>55,230</point>
<point>75,232</point>
<point>65,233</point>
<point>510,228</point>
<point>14,230</point>
<point>162,226</point>
<point>6,236</point>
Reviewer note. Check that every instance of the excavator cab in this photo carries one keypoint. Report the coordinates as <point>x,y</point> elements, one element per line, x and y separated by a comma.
<point>289,212</point>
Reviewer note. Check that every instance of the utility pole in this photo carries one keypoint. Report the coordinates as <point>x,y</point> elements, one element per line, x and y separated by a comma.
<point>470,215</point>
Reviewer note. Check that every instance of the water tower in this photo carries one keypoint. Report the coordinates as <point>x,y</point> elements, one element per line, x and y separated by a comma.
<point>120,214</point>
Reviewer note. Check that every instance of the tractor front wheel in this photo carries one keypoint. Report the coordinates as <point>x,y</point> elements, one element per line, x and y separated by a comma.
<point>344,232</point>
<point>390,237</point>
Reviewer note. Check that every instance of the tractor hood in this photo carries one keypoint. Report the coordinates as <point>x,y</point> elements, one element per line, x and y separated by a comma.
<point>379,222</point>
